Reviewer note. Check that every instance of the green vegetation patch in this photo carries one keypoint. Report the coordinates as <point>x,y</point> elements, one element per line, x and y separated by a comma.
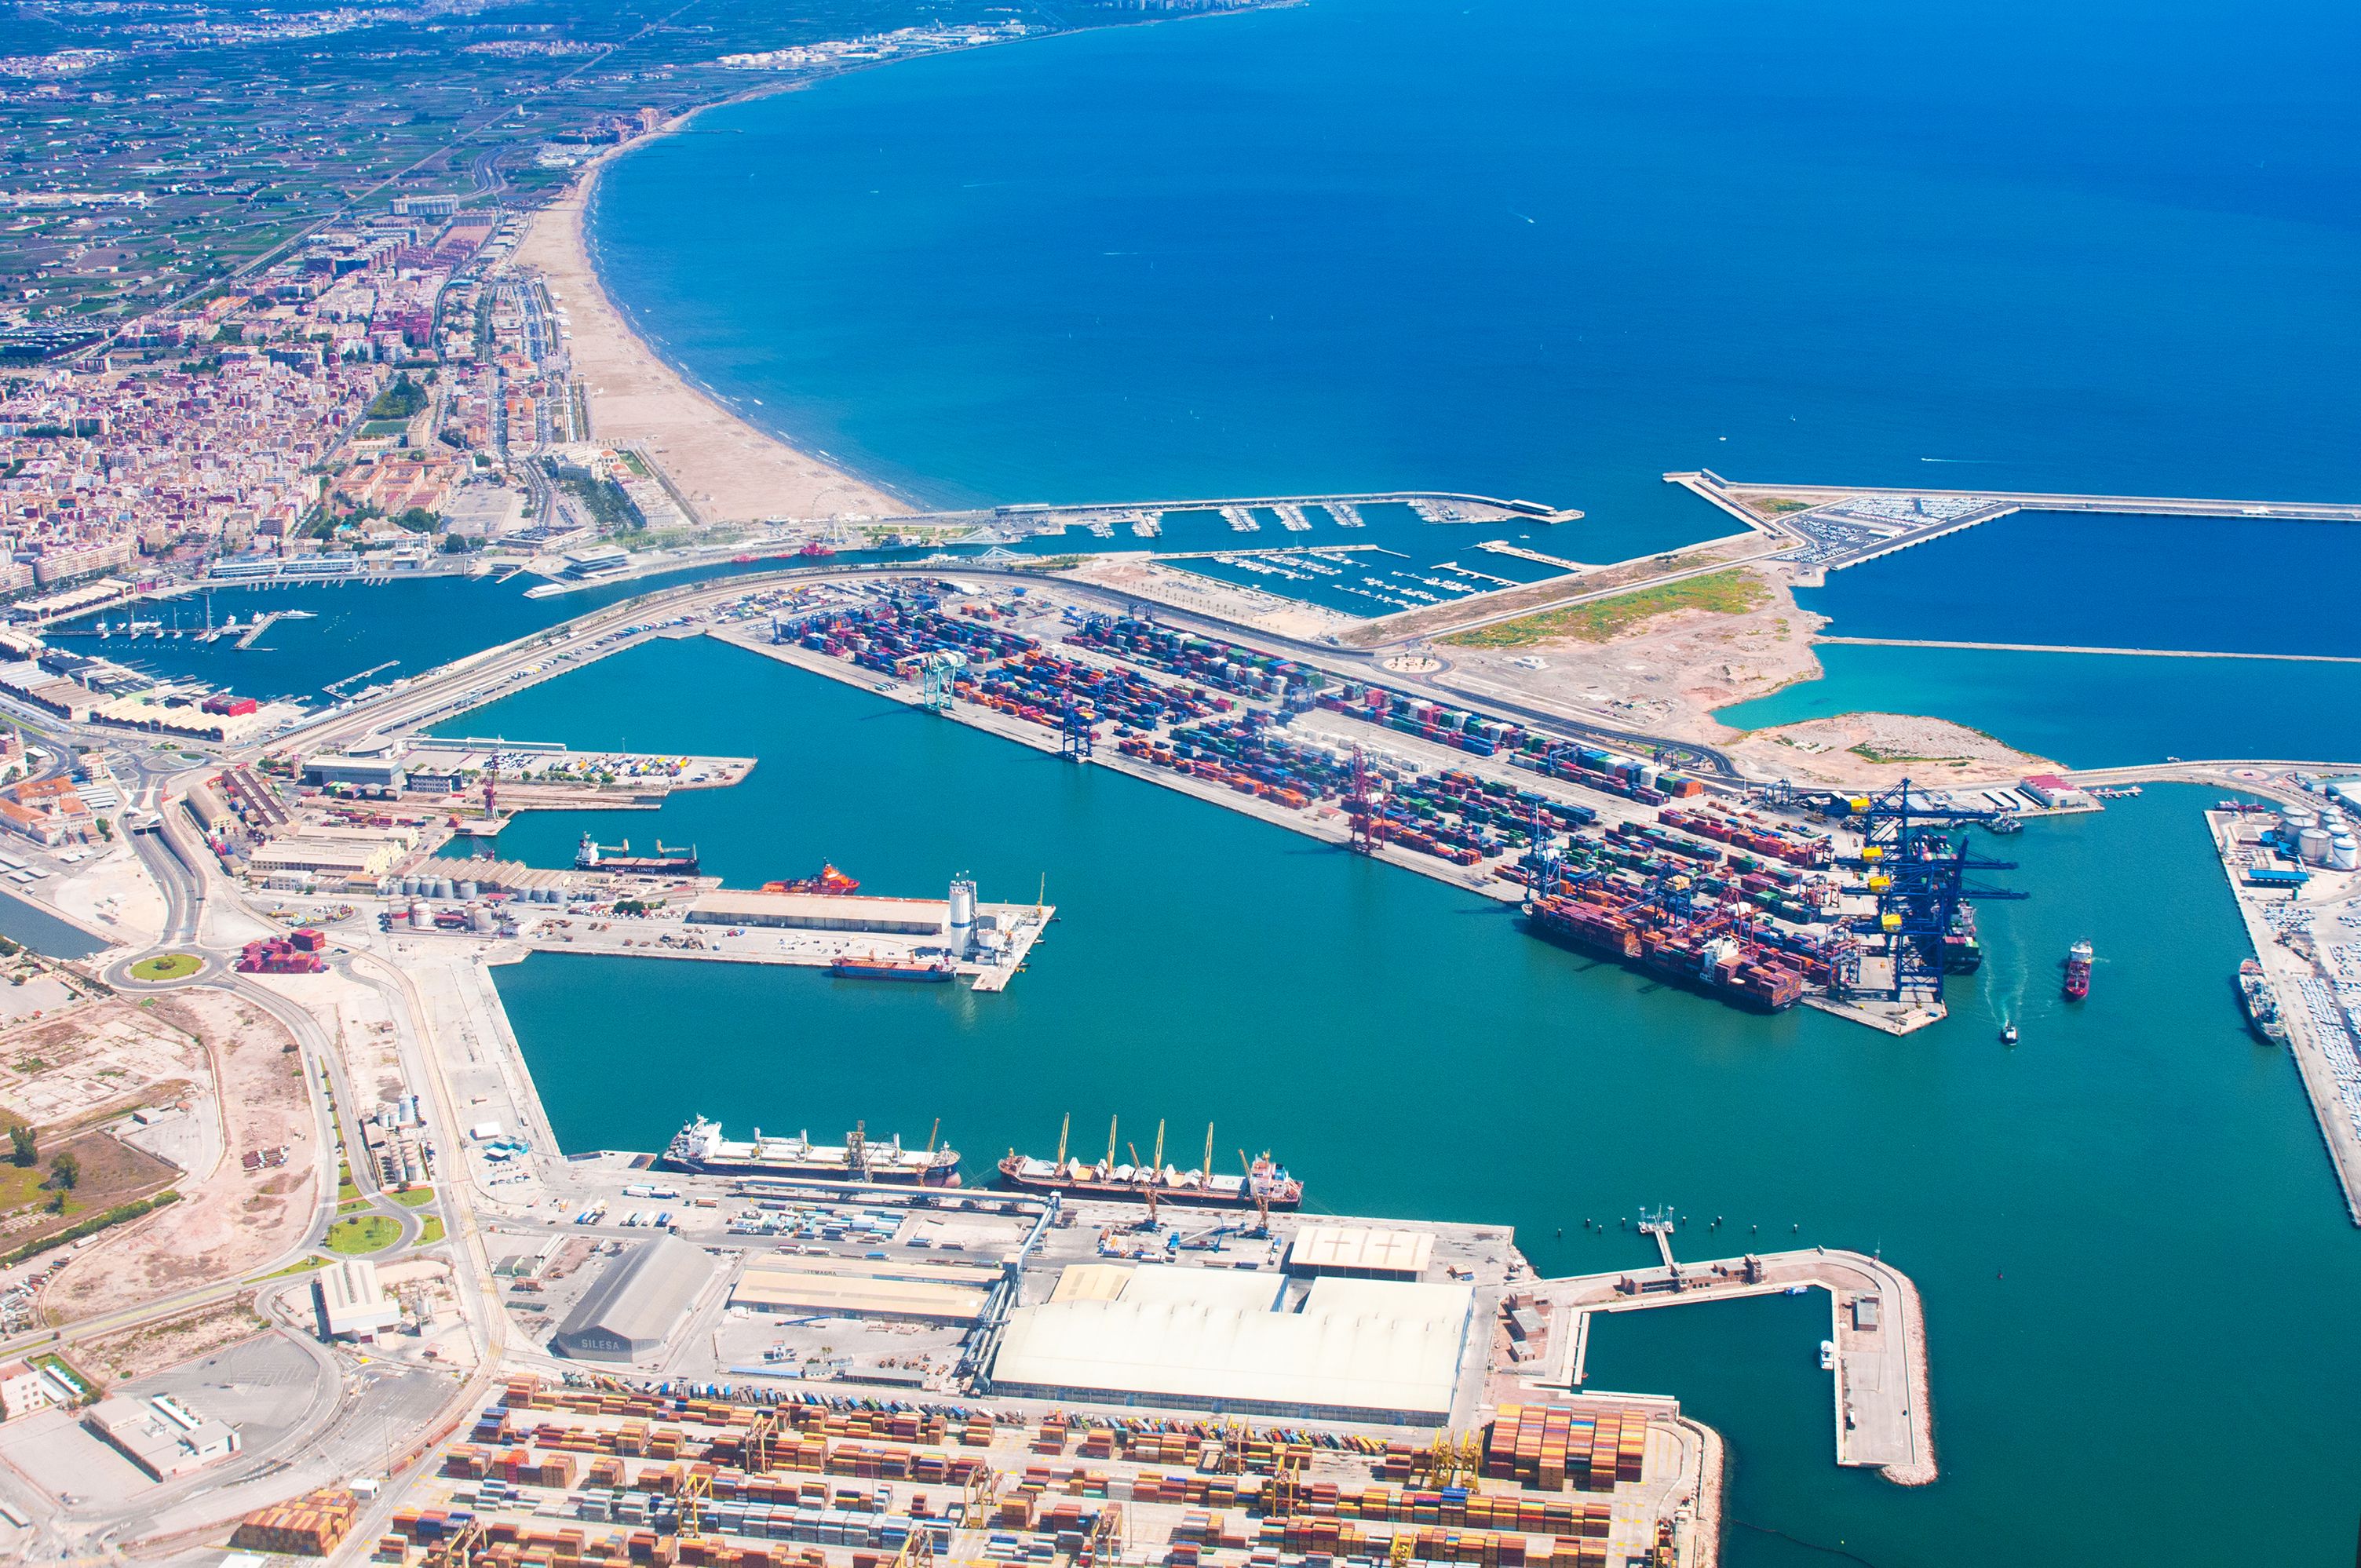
<point>167,966</point>
<point>88,1227</point>
<point>431,1231</point>
<point>415,1197</point>
<point>301,1265</point>
<point>357,1236</point>
<point>1719,593</point>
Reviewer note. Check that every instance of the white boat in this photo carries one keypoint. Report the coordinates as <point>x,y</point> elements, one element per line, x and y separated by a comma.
<point>1827,1355</point>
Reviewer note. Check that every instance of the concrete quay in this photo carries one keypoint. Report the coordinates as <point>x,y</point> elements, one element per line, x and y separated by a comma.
<point>2077,648</point>
<point>2294,941</point>
<point>1884,1412</point>
<point>668,934</point>
<point>1845,525</point>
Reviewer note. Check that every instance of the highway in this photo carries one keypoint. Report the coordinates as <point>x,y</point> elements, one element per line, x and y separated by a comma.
<point>480,676</point>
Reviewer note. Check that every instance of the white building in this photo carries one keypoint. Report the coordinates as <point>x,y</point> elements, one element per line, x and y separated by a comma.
<point>22,1390</point>
<point>351,1303</point>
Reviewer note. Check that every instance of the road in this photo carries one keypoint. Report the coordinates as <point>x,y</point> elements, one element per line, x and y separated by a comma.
<point>436,691</point>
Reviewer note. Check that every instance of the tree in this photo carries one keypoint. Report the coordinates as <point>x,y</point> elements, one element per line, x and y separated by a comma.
<point>22,1151</point>
<point>64,1172</point>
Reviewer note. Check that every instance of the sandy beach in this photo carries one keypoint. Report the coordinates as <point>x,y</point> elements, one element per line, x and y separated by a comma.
<point>731,472</point>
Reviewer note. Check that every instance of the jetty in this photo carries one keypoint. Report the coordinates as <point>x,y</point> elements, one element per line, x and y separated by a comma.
<point>1834,526</point>
<point>1877,1331</point>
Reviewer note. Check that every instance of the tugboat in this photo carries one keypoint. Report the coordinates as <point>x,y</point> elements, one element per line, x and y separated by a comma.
<point>2262,1003</point>
<point>2077,971</point>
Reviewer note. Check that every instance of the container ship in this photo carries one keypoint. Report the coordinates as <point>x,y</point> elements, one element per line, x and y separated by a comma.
<point>936,970</point>
<point>1710,956</point>
<point>701,1150</point>
<point>2077,971</point>
<point>2262,1002</point>
<point>1131,1183</point>
<point>592,856</point>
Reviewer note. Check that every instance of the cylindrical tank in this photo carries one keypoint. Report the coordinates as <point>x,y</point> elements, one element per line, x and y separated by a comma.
<point>2344,852</point>
<point>2311,846</point>
<point>479,918</point>
<point>962,918</point>
<point>443,888</point>
<point>410,887</point>
<point>2295,820</point>
<point>468,890</point>
<point>421,918</point>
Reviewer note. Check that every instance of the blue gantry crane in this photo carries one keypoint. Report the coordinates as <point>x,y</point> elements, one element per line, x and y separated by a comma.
<point>1915,861</point>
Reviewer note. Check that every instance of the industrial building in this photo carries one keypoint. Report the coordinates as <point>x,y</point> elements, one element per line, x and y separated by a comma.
<point>1360,1252</point>
<point>306,855</point>
<point>631,1307</point>
<point>824,912</point>
<point>920,1290</point>
<point>162,1436</point>
<point>362,773</point>
<point>1248,1343</point>
<point>350,1301</point>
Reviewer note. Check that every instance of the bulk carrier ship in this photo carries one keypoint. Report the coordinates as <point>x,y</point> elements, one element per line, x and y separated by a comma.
<point>2262,1002</point>
<point>1264,1184</point>
<point>701,1150</point>
<point>592,856</point>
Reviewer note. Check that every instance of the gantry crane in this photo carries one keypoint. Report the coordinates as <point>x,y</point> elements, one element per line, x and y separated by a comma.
<point>1915,863</point>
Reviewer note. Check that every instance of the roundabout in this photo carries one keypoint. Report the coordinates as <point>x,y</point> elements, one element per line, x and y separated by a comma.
<point>161,968</point>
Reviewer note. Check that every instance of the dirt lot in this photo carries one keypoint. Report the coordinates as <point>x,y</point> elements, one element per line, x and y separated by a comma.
<point>230,1219</point>
<point>136,1354</point>
<point>1668,674</point>
<point>87,1060</point>
<point>1872,750</point>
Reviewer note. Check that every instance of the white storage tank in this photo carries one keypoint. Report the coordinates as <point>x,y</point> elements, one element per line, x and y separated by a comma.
<point>421,918</point>
<point>961,932</point>
<point>479,919</point>
<point>2312,845</point>
<point>2344,852</point>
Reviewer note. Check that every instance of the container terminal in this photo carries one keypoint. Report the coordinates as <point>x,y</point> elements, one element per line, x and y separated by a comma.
<point>1765,899</point>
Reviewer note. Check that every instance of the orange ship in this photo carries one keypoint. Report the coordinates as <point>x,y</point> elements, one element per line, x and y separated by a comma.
<point>829,880</point>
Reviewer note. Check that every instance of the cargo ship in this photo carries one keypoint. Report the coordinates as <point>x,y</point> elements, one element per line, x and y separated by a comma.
<point>701,1150</point>
<point>1132,1183</point>
<point>873,968</point>
<point>2077,971</point>
<point>592,856</point>
<point>829,880</point>
<point>1720,964</point>
<point>2262,1002</point>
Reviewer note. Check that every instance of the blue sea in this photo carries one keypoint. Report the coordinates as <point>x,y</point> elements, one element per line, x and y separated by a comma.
<point>1554,251</point>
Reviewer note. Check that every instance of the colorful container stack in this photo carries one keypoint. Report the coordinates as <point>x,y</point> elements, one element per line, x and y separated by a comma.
<point>1551,1447</point>
<point>313,1525</point>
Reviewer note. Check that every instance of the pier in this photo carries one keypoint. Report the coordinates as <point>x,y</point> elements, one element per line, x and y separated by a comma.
<point>1834,526</point>
<point>1878,1371</point>
<point>2296,937</point>
<point>2076,648</point>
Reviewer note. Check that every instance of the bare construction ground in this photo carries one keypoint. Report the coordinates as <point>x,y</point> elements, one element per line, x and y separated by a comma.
<point>1233,601</point>
<point>1667,672</point>
<point>137,1352</point>
<point>73,1062</point>
<point>229,1218</point>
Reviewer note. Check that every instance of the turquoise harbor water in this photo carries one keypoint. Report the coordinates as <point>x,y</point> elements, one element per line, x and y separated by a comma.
<point>2079,1210</point>
<point>1553,252</point>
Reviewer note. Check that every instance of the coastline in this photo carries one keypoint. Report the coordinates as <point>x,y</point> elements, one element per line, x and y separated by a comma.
<point>729,470</point>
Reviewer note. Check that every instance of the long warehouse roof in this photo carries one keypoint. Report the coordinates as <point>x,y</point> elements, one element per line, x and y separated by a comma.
<point>1385,1349</point>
